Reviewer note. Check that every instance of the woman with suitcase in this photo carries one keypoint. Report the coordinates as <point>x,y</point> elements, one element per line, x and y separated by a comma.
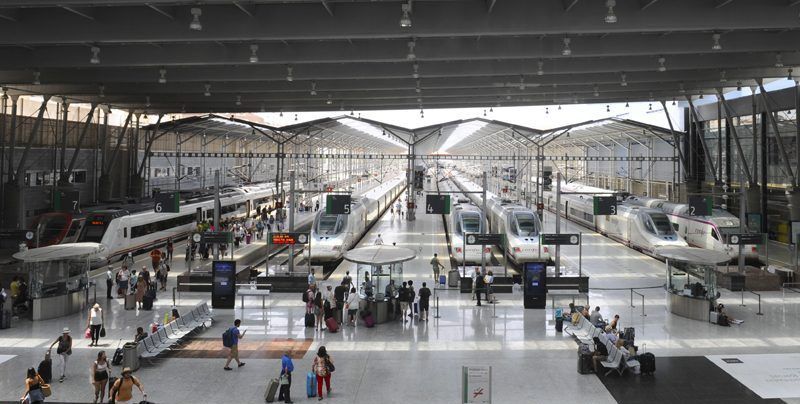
<point>64,350</point>
<point>323,367</point>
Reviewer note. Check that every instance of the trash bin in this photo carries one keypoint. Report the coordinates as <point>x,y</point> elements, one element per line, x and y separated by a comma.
<point>453,277</point>
<point>130,356</point>
<point>737,282</point>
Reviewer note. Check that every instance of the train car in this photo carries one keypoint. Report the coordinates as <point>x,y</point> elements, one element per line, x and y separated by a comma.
<point>121,231</point>
<point>709,232</point>
<point>332,235</point>
<point>55,228</point>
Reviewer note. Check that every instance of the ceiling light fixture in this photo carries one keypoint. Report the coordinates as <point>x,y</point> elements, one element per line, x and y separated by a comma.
<point>627,105</point>
<point>661,66</point>
<point>162,76</point>
<point>411,45</point>
<point>596,91</point>
<point>611,18</point>
<point>405,20</point>
<point>547,110</point>
<point>253,53</point>
<point>673,101</point>
<point>207,93</point>
<point>566,51</point>
<point>723,76</point>
<point>36,77</point>
<point>624,79</point>
<point>540,71</point>
<point>418,89</point>
<point>415,66</point>
<point>95,60</point>
<point>195,24</point>
<point>313,88</point>
<point>681,89</point>
<point>715,44</point>
<point>491,109</point>
<point>484,112</point>
<point>289,76</point>
<point>280,114</point>
<point>521,82</point>
<point>147,101</point>
<point>608,108</point>
<point>352,113</point>
<point>650,107</point>
<point>738,86</point>
<point>778,60</point>
<point>330,100</point>
<point>238,100</point>
<point>421,112</point>
<point>102,89</point>
<point>701,94</point>
<point>295,117</point>
<point>559,107</point>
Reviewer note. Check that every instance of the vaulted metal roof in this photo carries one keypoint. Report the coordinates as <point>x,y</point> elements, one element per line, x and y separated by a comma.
<point>311,55</point>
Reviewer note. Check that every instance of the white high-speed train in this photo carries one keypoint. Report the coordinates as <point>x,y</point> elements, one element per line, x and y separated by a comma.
<point>520,225</point>
<point>641,228</point>
<point>121,232</point>
<point>709,232</point>
<point>464,217</point>
<point>332,235</point>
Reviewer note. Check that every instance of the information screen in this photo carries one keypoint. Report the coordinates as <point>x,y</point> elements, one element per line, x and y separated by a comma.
<point>223,289</point>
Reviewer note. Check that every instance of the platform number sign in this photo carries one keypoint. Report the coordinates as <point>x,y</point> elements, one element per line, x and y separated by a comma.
<point>337,205</point>
<point>605,205</point>
<point>437,204</point>
<point>700,206</point>
<point>167,202</point>
<point>67,201</point>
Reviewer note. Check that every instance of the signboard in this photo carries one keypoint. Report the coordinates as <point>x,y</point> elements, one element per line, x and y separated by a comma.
<point>67,201</point>
<point>218,237</point>
<point>223,287</point>
<point>605,205</point>
<point>437,204</point>
<point>746,239</point>
<point>16,235</point>
<point>700,206</point>
<point>476,384</point>
<point>484,239</point>
<point>337,205</point>
<point>561,239</point>
<point>288,238</point>
<point>167,202</point>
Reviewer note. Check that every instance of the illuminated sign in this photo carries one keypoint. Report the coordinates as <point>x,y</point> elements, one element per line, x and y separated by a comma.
<point>288,238</point>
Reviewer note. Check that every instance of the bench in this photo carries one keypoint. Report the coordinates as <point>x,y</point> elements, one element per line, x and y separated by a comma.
<point>585,332</point>
<point>254,292</point>
<point>171,334</point>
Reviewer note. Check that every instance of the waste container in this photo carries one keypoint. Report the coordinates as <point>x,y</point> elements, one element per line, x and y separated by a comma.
<point>130,356</point>
<point>737,282</point>
<point>453,277</point>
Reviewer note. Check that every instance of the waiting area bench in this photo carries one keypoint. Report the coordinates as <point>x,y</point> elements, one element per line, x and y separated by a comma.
<point>585,332</point>
<point>171,334</point>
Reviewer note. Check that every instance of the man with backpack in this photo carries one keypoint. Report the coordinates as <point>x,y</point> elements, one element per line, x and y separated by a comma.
<point>402,297</point>
<point>230,339</point>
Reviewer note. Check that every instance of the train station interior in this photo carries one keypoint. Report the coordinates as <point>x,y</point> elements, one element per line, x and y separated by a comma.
<point>393,201</point>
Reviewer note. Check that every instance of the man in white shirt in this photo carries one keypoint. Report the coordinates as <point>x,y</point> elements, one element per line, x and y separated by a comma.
<point>379,240</point>
<point>311,279</point>
<point>109,282</point>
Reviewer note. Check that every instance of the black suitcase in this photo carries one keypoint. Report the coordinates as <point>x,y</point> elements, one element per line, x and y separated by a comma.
<point>647,362</point>
<point>584,360</point>
<point>116,360</point>
<point>559,324</point>
<point>629,334</point>
<point>45,368</point>
<point>147,302</point>
<point>309,319</point>
<point>5,319</point>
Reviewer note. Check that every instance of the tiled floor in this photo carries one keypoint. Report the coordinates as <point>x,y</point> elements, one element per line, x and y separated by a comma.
<point>421,361</point>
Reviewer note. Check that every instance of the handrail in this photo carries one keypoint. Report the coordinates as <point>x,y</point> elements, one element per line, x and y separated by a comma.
<point>632,292</point>
<point>759,302</point>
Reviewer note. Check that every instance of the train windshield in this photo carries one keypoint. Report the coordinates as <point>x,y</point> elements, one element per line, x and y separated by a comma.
<point>50,229</point>
<point>471,223</point>
<point>662,225</point>
<point>94,228</point>
<point>331,224</point>
<point>527,224</point>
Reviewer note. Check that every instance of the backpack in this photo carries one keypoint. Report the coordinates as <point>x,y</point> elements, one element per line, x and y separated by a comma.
<point>305,297</point>
<point>227,338</point>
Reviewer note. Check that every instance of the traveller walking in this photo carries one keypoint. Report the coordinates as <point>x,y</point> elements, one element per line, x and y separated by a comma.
<point>123,276</point>
<point>101,371</point>
<point>155,258</point>
<point>379,240</point>
<point>109,282</point>
<point>402,296</point>
<point>170,249</point>
<point>235,336</point>
<point>412,296</point>
<point>64,350</point>
<point>311,279</point>
<point>352,307</point>
<point>323,367</point>
<point>339,294</point>
<point>424,302</point>
<point>488,281</point>
<point>347,280</point>
<point>287,367</point>
<point>316,205</point>
<point>122,390</point>
<point>128,262</point>
<point>478,287</point>
<point>33,388</point>
<point>319,311</point>
<point>141,287</point>
<point>436,265</point>
<point>95,323</point>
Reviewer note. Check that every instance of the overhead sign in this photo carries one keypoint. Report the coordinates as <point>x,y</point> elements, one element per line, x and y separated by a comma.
<point>288,238</point>
<point>746,239</point>
<point>68,201</point>
<point>484,239</point>
<point>437,204</point>
<point>337,205</point>
<point>605,205</point>
<point>168,202</point>
<point>217,237</point>
<point>561,239</point>
<point>700,206</point>
<point>16,235</point>
<point>476,384</point>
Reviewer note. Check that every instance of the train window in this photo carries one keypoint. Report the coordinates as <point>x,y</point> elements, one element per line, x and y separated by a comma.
<point>330,224</point>
<point>662,224</point>
<point>527,224</point>
<point>714,234</point>
<point>676,227</point>
<point>471,223</point>
<point>161,225</point>
<point>125,232</point>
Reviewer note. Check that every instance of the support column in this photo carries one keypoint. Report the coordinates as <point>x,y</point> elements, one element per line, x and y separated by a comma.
<point>764,176</point>
<point>3,118</point>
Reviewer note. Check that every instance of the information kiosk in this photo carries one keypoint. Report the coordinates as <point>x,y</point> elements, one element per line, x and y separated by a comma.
<point>691,280</point>
<point>223,289</point>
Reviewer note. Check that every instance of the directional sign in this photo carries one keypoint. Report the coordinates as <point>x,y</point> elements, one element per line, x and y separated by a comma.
<point>437,204</point>
<point>700,206</point>
<point>337,205</point>
<point>561,239</point>
<point>218,237</point>
<point>746,239</point>
<point>605,205</point>
<point>16,235</point>
<point>169,202</point>
<point>484,239</point>
<point>288,238</point>
<point>68,201</point>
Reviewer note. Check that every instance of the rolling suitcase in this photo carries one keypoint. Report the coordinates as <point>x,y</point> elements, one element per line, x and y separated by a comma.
<point>442,280</point>
<point>311,384</point>
<point>45,368</point>
<point>453,278</point>
<point>309,319</point>
<point>584,360</point>
<point>369,320</point>
<point>147,302</point>
<point>130,302</point>
<point>332,325</point>
<point>647,362</point>
<point>272,389</point>
<point>559,324</point>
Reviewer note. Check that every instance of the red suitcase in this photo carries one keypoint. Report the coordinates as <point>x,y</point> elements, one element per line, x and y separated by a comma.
<point>332,325</point>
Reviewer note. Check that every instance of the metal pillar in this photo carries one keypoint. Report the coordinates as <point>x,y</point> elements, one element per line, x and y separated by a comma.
<point>291,217</point>
<point>217,207</point>
<point>558,222</point>
<point>486,217</point>
<point>764,174</point>
<point>63,163</point>
<point>3,117</point>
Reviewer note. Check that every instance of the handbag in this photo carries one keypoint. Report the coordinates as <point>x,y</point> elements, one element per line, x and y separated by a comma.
<point>88,333</point>
<point>283,380</point>
<point>329,366</point>
<point>102,332</point>
<point>46,390</point>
